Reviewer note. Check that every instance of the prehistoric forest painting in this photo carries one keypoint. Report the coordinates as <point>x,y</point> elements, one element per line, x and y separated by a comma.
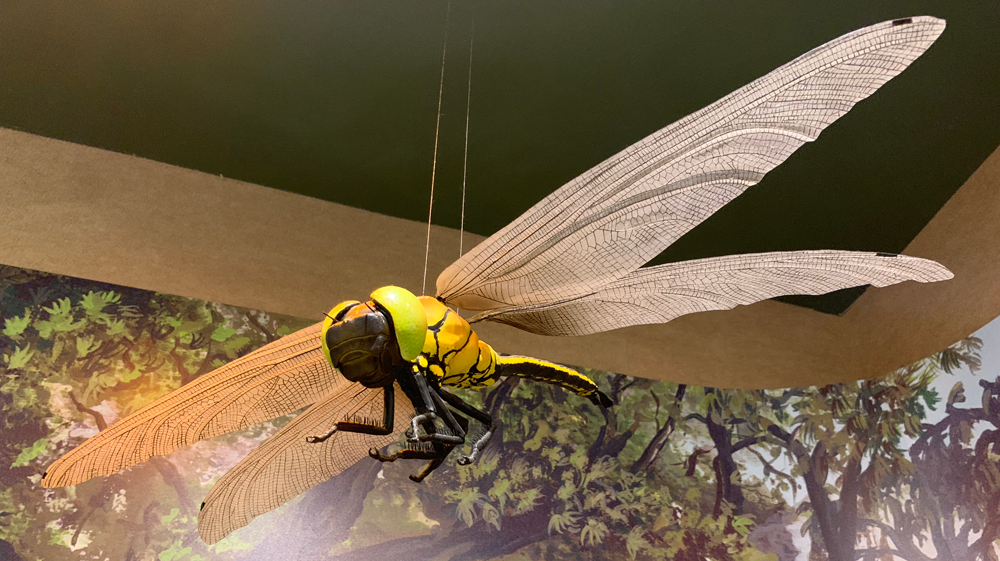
<point>906,466</point>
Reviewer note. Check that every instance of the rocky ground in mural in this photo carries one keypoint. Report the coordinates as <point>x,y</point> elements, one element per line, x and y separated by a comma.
<point>906,466</point>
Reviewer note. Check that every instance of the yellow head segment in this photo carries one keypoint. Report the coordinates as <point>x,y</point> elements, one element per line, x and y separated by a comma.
<point>409,320</point>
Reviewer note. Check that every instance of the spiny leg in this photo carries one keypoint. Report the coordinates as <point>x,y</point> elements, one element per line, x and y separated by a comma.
<point>443,449</point>
<point>481,416</point>
<point>388,420</point>
<point>419,394</point>
<point>436,454</point>
<point>449,421</point>
<point>407,383</point>
<point>421,452</point>
<point>431,466</point>
<point>432,402</point>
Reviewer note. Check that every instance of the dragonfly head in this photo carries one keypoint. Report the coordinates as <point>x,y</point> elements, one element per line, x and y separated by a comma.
<point>365,341</point>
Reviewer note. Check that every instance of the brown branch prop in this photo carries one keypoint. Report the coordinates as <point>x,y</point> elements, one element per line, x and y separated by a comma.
<point>173,478</point>
<point>98,418</point>
<point>692,460</point>
<point>656,416</point>
<point>663,433</point>
<point>268,334</point>
<point>719,484</point>
<point>772,469</point>
<point>79,527</point>
<point>747,442</point>
<point>186,375</point>
<point>906,549</point>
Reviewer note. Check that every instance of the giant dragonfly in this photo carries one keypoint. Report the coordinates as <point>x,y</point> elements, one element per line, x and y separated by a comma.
<point>573,264</point>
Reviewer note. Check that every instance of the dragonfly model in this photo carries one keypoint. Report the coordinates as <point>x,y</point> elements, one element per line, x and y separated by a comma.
<point>573,264</point>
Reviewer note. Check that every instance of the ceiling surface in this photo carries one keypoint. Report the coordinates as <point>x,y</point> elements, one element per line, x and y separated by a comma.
<point>337,100</point>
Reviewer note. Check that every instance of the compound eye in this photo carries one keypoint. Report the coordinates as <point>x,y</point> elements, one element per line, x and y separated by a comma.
<point>340,310</point>
<point>335,315</point>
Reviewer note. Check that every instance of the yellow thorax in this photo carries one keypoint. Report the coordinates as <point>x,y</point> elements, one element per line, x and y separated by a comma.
<point>453,345</point>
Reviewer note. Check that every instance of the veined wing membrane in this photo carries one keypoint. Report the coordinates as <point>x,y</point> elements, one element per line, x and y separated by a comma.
<point>617,216</point>
<point>661,293</point>
<point>286,465</point>
<point>275,380</point>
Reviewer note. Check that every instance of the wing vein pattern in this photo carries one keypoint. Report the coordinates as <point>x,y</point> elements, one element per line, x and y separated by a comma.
<point>275,380</point>
<point>613,219</point>
<point>664,292</point>
<point>285,464</point>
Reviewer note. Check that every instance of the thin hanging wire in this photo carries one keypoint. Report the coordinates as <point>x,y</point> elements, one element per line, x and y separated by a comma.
<point>437,129</point>
<point>465,164</point>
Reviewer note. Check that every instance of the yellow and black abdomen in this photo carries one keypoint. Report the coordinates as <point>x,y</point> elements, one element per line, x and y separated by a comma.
<point>458,358</point>
<point>551,373</point>
<point>455,354</point>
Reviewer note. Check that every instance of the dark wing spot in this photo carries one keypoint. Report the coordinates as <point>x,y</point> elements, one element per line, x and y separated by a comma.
<point>202,507</point>
<point>886,255</point>
<point>903,21</point>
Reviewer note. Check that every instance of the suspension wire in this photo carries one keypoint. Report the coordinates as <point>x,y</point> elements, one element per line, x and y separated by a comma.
<point>437,130</point>
<point>465,164</point>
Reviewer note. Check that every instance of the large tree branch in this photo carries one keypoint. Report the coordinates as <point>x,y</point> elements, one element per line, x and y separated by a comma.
<point>791,444</point>
<point>692,461</point>
<point>656,415</point>
<point>905,548</point>
<point>815,480</point>
<point>659,440</point>
<point>846,517</point>
<point>771,469</point>
<point>991,530</point>
<point>940,429</point>
<point>874,554</point>
<point>719,487</point>
<point>747,442</point>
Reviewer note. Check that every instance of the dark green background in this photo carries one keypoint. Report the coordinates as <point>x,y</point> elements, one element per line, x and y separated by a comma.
<point>337,99</point>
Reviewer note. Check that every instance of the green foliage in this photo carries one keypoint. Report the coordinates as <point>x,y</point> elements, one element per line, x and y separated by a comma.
<point>16,326</point>
<point>20,357</point>
<point>30,453</point>
<point>77,355</point>
<point>670,472</point>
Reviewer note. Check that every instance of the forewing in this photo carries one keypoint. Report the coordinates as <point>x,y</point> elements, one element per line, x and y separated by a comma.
<point>275,380</point>
<point>661,293</point>
<point>286,465</point>
<point>617,216</point>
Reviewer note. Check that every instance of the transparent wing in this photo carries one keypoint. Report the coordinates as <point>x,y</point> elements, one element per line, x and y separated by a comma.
<point>286,465</point>
<point>661,293</point>
<point>275,380</point>
<point>617,216</point>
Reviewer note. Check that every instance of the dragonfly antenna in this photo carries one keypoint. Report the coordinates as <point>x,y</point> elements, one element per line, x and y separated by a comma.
<point>437,129</point>
<point>465,163</point>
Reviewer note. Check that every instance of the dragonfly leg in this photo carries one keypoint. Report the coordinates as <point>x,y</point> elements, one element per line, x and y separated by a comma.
<point>431,466</point>
<point>436,456</point>
<point>421,400</point>
<point>435,409</point>
<point>458,433</point>
<point>481,416</point>
<point>365,427</point>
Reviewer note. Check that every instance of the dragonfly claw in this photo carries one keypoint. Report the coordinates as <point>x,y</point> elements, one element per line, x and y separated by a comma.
<point>323,438</point>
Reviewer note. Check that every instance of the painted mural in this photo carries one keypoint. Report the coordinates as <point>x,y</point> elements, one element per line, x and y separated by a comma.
<point>906,466</point>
